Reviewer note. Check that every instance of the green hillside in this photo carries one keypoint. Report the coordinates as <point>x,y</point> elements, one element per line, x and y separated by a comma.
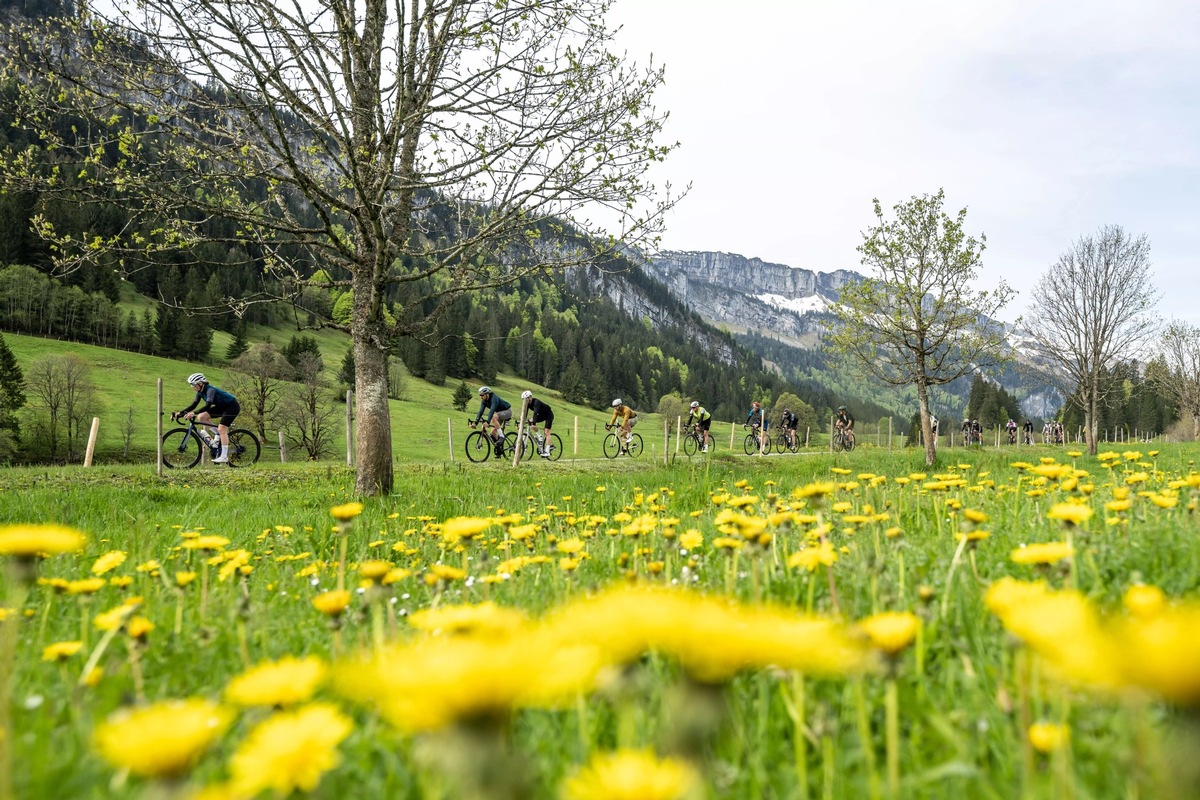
<point>420,427</point>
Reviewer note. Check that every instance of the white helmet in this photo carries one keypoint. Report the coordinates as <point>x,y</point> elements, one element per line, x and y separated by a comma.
<point>617,402</point>
<point>197,377</point>
<point>485,390</point>
<point>525,395</point>
<point>695,404</point>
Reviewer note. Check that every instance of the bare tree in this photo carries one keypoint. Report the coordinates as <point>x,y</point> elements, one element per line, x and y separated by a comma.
<point>1092,309</point>
<point>415,151</point>
<point>309,413</point>
<point>63,399</point>
<point>918,322</point>
<point>256,379</point>
<point>1180,349</point>
<point>128,428</point>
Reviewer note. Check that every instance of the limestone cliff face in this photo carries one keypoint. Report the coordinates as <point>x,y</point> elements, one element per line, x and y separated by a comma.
<point>726,288</point>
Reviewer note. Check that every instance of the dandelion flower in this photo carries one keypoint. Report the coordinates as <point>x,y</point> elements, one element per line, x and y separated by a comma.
<point>108,562</point>
<point>85,586</point>
<point>632,775</point>
<point>485,618</point>
<point>810,558</point>
<point>162,740</point>
<point>1070,513</point>
<point>1042,553</point>
<point>30,540</point>
<point>60,651</point>
<point>333,603</point>
<point>206,543</point>
<point>346,512</point>
<point>290,751</point>
<point>691,539</point>
<point>1046,737</point>
<point>457,528</point>
<point>891,631</point>
<point>285,682</point>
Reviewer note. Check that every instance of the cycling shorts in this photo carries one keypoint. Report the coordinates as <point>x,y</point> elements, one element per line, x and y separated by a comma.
<point>228,414</point>
<point>544,416</point>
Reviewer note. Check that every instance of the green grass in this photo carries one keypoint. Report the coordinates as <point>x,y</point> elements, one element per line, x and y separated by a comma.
<point>961,706</point>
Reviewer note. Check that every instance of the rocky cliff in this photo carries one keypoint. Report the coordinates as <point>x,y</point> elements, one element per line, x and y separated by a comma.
<point>739,292</point>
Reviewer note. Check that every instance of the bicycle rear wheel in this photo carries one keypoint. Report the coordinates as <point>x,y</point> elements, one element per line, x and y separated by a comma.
<point>556,447</point>
<point>244,448</point>
<point>511,445</point>
<point>635,445</point>
<point>612,446</point>
<point>180,449</point>
<point>479,446</point>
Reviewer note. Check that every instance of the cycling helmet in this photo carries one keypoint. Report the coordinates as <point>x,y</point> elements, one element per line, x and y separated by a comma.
<point>841,408</point>
<point>616,403</point>
<point>787,411</point>
<point>197,377</point>
<point>695,404</point>
<point>525,395</point>
<point>485,390</point>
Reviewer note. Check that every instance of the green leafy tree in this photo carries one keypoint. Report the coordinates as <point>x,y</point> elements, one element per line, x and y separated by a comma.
<point>431,145</point>
<point>916,320</point>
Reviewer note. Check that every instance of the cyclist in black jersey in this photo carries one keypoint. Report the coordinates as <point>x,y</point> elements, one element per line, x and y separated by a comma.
<point>540,413</point>
<point>216,403</point>
<point>497,410</point>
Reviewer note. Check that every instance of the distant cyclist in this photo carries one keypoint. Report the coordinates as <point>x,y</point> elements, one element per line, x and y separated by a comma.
<point>789,422</point>
<point>498,412</point>
<point>540,413</point>
<point>1028,430</point>
<point>216,403</point>
<point>699,417</point>
<point>628,419</point>
<point>844,421</point>
<point>1011,427</point>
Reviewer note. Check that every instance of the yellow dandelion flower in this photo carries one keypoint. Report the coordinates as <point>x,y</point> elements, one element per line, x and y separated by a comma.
<point>1135,478</point>
<point>973,515</point>
<point>332,603</point>
<point>285,682</point>
<point>205,543</point>
<point>632,775</point>
<point>484,618</point>
<point>691,539</point>
<point>810,558</point>
<point>457,528</point>
<point>86,586</point>
<point>346,511</point>
<point>139,627</point>
<point>442,572</point>
<point>60,651</point>
<point>1042,553</point>
<point>1046,737</point>
<point>394,575</point>
<point>374,570</point>
<point>290,751</point>
<point>30,540</point>
<point>1164,501</point>
<point>1118,505</point>
<point>1070,513</point>
<point>1159,653</point>
<point>568,564</point>
<point>891,631</point>
<point>1144,601</point>
<point>163,740</point>
<point>182,579</point>
<point>108,562</point>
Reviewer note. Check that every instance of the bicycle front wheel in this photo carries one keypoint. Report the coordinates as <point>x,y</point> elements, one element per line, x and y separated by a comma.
<point>479,447</point>
<point>635,445</point>
<point>511,445</point>
<point>848,443</point>
<point>244,448</point>
<point>180,449</point>
<point>751,444</point>
<point>689,445</point>
<point>612,446</point>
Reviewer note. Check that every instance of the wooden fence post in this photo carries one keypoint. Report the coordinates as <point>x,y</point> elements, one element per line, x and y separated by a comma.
<point>91,445</point>
<point>889,434</point>
<point>576,444</point>
<point>282,449</point>
<point>831,434</point>
<point>667,439</point>
<point>732,428</point>
<point>520,432</point>
<point>807,430</point>
<point>158,467</point>
<point>450,436</point>
<point>678,432</point>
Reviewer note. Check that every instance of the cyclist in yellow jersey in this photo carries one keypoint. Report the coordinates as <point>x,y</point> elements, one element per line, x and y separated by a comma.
<point>628,419</point>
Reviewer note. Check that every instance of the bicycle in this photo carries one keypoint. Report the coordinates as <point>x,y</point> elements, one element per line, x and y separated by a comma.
<point>182,447</point>
<point>614,445</point>
<point>534,440</point>
<point>784,444</point>
<point>843,440</point>
<point>693,441</point>
<point>480,444</point>
<point>752,444</point>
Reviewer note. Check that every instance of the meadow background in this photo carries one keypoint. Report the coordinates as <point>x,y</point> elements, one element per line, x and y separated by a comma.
<point>949,712</point>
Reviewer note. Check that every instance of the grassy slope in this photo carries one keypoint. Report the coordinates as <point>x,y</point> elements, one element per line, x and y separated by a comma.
<point>419,421</point>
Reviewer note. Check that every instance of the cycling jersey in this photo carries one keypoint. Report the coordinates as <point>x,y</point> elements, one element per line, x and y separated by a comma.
<point>494,405</point>
<point>215,401</point>
<point>699,416</point>
<point>845,420</point>
<point>756,417</point>
<point>789,421</point>
<point>540,412</point>
<point>625,413</point>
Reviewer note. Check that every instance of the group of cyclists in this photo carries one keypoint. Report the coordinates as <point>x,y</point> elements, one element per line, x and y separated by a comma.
<point>495,411</point>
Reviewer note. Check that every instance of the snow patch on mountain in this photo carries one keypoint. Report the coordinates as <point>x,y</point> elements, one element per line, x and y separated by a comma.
<point>800,305</point>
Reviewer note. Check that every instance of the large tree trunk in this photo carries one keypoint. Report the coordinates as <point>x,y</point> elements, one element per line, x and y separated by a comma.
<point>926,425</point>
<point>373,425</point>
<point>1089,422</point>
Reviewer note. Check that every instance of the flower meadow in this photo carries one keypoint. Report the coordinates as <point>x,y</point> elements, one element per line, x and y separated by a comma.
<point>815,627</point>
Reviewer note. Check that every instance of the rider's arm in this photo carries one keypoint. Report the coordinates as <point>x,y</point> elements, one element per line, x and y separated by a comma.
<point>195,402</point>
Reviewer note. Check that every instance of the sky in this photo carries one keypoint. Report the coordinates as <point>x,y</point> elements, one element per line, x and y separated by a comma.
<point>1046,120</point>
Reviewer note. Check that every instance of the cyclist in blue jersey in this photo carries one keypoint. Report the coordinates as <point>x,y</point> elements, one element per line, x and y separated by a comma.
<point>216,403</point>
<point>498,412</point>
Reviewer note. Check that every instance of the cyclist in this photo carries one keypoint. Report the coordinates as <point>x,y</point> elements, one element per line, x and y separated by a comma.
<point>1028,429</point>
<point>628,419</point>
<point>699,417</point>
<point>216,402</point>
<point>540,412</point>
<point>844,421</point>
<point>977,432</point>
<point>498,412</point>
<point>966,430</point>
<point>789,422</point>
<point>757,420</point>
<point>1011,427</point>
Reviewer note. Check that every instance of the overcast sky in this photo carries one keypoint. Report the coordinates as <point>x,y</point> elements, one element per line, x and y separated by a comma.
<point>1045,119</point>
